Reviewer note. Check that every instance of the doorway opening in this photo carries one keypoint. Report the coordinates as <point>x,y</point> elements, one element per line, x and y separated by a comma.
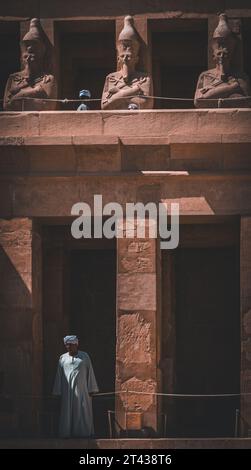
<point>87,56</point>
<point>79,297</point>
<point>205,333</point>
<point>179,51</point>
<point>92,303</point>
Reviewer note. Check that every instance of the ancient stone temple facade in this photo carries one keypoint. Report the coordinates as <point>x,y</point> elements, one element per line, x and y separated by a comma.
<point>168,331</point>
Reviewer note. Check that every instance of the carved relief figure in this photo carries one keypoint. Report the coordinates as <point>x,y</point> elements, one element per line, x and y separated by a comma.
<point>222,82</point>
<point>127,87</point>
<point>33,81</point>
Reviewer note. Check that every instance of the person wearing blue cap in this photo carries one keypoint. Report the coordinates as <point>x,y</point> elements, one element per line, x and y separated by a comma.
<point>75,382</point>
<point>84,94</point>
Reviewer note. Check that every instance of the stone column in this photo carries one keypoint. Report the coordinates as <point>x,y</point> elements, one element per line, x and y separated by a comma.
<point>20,324</point>
<point>212,24</point>
<point>245,297</point>
<point>137,353</point>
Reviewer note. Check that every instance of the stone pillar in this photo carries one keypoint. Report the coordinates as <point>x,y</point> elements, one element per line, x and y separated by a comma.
<point>245,297</point>
<point>137,331</point>
<point>212,24</point>
<point>20,324</point>
<point>49,27</point>
<point>142,26</point>
<point>236,27</point>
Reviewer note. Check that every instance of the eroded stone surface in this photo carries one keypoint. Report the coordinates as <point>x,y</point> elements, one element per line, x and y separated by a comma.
<point>135,339</point>
<point>136,291</point>
<point>141,401</point>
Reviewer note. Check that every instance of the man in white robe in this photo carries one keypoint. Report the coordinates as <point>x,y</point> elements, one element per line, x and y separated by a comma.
<point>75,382</point>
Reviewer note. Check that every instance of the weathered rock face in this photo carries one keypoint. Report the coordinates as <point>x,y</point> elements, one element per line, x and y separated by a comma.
<point>136,331</point>
<point>135,344</point>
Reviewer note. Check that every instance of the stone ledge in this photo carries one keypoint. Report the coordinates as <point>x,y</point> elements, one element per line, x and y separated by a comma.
<point>137,176</point>
<point>105,153</point>
<point>127,141</point>
<point>197,138</point>
<point>146,141</point>
<point>147,123</point>
<point>95,140</point>
<point>48,141</point>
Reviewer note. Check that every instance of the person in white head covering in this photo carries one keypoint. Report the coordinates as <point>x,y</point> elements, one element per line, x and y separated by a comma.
<point>75,382</point>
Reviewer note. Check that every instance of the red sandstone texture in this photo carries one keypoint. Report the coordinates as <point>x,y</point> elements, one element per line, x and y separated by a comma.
<point>51,160</point>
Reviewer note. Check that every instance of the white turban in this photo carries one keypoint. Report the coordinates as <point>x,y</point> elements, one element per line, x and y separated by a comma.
<point>71,339</point>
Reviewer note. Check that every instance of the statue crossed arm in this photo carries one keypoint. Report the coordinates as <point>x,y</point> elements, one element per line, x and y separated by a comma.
<point>210,87</point>
<point>19,87</point>
<point>119,94</point>
<point>221,86</point>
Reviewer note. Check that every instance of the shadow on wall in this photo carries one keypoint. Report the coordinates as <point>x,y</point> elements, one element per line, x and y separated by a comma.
<point>16,347</point>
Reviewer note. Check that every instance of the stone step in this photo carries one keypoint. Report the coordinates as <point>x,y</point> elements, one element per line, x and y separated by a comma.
<point>216,443</point>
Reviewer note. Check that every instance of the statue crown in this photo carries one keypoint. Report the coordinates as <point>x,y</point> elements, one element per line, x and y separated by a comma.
<point>129,34</point>
<point>35,31</point>
<point>222,31</point>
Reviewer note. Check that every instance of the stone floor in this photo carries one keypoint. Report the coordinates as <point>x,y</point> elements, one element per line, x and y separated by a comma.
<point>227,443</point>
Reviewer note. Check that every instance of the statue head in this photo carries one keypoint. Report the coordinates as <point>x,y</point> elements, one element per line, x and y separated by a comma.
<point>33,45</point>
<point>128,47</point>
<point>224,42</point>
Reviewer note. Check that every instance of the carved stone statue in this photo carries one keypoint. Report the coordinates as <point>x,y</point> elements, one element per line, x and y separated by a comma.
<point>222,82</point>
<point>127,87</point>
<point>33,81</point>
